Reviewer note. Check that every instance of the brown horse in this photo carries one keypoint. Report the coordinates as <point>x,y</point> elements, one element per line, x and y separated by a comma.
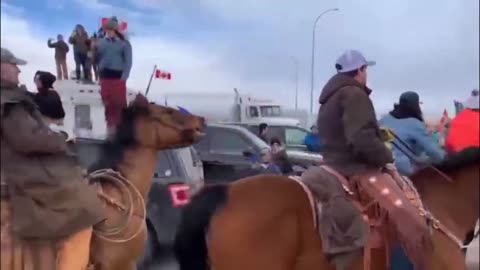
<point>145,129</point>
<point>265,222</point>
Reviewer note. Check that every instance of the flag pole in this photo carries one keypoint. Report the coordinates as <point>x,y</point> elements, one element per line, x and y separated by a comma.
<point>150,81</point>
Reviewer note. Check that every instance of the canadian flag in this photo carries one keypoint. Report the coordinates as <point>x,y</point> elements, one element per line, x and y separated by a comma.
<point>164,75</point>
<point>122,26</point>
<point>443,121</point>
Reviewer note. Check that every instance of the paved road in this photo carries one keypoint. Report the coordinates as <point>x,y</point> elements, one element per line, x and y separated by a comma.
<point>472,259</point>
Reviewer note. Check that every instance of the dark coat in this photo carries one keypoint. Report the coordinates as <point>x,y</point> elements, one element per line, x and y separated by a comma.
<point>61,49</point>
<point>348,128</point>
<point>49,197</point>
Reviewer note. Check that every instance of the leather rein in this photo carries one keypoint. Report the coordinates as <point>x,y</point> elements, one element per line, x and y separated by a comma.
<point>434,222</point>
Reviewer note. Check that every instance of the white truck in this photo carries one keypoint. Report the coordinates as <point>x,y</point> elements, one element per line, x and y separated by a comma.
<point>84,111</point>
<point>230,108</point>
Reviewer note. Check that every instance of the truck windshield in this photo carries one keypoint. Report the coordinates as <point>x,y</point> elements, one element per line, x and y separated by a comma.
<point>269,111</point>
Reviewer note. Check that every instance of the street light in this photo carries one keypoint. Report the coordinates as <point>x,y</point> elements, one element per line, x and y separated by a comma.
<point>313,55</point>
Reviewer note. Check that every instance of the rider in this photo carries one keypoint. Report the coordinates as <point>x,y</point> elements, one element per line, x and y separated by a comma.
<point>465,127</point>
<point>406,121</point>
<point>45,188</point>
<point>352,145</point>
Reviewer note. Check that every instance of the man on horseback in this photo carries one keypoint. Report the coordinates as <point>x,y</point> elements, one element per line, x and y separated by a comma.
<point>40,179</point>
<point>354,148</point>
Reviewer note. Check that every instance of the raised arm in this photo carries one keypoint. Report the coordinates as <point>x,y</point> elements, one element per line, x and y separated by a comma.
<point>427,143</point>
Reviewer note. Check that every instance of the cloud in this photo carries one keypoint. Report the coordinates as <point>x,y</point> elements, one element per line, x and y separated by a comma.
<point>430,46</point>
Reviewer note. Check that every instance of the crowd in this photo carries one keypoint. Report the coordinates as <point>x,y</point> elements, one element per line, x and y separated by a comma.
<point>108,55</point>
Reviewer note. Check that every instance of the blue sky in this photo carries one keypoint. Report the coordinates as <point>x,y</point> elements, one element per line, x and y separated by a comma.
<point>428,46</point>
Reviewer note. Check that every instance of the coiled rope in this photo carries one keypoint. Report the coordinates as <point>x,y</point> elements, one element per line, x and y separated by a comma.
<point>128,191</point>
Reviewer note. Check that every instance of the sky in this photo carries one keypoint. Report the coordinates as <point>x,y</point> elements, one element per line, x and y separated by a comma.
<point>429,46</point>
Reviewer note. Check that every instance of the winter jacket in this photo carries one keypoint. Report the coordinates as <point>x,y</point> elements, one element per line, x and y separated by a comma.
<point>464,131</point>
<point>348,128</point>
<point>114,56</point>
<point>46,189</point>
<point>414,133</point>
<point>61,49</point>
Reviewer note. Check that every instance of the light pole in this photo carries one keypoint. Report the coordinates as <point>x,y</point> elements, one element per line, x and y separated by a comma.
<point>296,85</point>
<point>313,55</point>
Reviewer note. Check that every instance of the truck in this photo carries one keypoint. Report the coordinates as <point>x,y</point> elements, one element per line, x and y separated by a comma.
<point>84,111</point>
<point>230,108</point>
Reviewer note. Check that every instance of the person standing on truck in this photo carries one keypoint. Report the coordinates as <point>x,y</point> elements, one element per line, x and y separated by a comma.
<point>114,56</point>
<point>61,50</point>
<point>81,43</point>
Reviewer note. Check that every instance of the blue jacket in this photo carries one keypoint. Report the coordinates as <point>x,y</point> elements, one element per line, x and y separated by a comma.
<point>115,55</point>
<point>312,141</point>
<point>414,133</point>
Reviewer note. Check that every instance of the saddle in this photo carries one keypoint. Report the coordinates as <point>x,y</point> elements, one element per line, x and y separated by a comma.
<point>369,226</point>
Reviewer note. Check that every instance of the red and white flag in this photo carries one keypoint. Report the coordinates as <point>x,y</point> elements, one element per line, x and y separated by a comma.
<point>163,75</point>
<point>122,26</point>
<point>443,121</point>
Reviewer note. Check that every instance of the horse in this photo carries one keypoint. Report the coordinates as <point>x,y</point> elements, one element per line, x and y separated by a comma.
<point>131,156</point>
<point>266,222</point>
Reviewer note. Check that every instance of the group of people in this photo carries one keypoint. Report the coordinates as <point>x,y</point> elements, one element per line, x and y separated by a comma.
<point>347,128</point>
<point>108,53</point>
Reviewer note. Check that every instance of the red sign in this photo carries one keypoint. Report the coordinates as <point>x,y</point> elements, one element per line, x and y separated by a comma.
<point>180,194</point>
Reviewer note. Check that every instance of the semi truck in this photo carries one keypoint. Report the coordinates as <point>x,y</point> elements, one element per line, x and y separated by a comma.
<point>230,108</point>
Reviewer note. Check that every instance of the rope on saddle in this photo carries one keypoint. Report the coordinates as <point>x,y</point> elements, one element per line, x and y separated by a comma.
<point>129,191</point>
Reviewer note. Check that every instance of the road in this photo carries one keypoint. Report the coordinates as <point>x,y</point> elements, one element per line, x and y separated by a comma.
<point>472,258</point>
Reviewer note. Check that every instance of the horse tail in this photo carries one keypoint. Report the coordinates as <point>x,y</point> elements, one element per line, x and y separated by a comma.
<point>190,245</point>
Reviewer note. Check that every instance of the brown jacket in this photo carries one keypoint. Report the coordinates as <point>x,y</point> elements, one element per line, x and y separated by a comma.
<point>348,128</point>
<point>49,198</point>
<point>61,49</point>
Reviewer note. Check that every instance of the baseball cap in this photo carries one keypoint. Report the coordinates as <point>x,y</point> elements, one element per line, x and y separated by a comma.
<point>352,60</point>
<point>409,97</point>
<point>8,57</point>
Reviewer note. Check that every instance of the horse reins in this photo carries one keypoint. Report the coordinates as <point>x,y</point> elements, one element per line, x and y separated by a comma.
<point>412,158</point>
<point>436,224</point>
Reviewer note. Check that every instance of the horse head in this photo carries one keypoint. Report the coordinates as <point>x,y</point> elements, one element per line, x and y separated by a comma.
<point>159,127</point>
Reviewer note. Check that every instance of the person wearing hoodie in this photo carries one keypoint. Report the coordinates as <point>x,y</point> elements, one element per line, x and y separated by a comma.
<point>114,56</point>
<point>47,99</point>
<point>464,129</point>
<point>406,121</point>
<point>353,147</point>
<point>81,44</point>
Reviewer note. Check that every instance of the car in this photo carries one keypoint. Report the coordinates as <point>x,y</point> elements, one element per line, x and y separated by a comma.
<point>291,136</point>
<point>179,172</point>
<point>226,150</point>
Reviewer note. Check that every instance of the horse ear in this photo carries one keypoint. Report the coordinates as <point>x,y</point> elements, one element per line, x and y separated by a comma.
<point>140,100</point>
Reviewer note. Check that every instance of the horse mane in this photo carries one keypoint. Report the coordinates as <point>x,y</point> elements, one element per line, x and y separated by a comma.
<point>453,162</point>
<point>113,149</point>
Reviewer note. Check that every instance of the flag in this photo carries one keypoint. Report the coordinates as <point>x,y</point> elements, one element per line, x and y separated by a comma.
<point>122,26</point>
<point>443,121</point>
<point>163,75</point>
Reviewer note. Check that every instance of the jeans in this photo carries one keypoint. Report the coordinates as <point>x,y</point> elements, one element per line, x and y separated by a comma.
<point>399,260</point>
<point>81,61</point>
